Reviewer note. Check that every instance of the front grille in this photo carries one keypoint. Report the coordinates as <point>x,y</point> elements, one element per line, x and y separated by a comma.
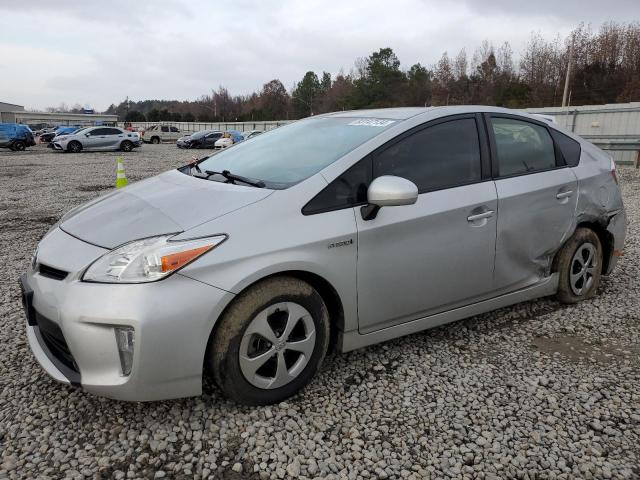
<point>50,272</point>
<point>54,340</point>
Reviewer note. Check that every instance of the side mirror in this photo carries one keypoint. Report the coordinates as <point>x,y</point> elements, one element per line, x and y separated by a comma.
<point>388,191</point>
<point>87,135</point>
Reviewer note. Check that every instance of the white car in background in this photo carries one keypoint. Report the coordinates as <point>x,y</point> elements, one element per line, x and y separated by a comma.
<point>98,139</point>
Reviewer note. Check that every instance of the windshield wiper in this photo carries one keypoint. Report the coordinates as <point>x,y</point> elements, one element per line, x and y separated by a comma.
<point>232,178</point>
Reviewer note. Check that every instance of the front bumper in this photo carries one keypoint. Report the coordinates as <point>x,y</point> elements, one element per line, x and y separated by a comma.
<point>57,146</point>
<point>70,328</point>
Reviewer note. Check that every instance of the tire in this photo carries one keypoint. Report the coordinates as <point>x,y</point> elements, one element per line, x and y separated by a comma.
<point>19,146</point>
<point>74,147</point>
<point>126,146</point>
<point>579,264</point>
<point>155,140</point>
<point>268,306</point>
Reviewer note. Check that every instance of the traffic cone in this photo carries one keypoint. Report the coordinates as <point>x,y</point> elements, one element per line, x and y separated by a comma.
<point>121,177</point>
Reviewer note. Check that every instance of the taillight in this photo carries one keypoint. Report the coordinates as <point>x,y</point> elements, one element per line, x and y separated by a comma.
<point>613,171</point>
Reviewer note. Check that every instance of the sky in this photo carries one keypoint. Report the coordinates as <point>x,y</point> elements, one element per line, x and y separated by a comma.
<point>95,53</point>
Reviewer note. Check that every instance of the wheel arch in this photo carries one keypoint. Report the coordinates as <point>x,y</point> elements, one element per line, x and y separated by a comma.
<point>605,237</point>
<point>324,288</point>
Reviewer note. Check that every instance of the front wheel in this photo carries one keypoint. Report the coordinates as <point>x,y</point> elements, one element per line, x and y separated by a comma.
<point>126,146</point>
<point>579,264</point>
<point>19,146</point>
<point>74,147</point>
<point>270,342</point>
<point>155,140</point>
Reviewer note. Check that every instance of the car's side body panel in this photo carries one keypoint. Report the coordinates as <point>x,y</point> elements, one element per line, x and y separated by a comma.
<point>532,225</point>
<point>422,258</point>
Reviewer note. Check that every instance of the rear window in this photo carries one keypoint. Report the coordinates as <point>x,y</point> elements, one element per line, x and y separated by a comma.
<point>522,147</point>
<point>569,148</point>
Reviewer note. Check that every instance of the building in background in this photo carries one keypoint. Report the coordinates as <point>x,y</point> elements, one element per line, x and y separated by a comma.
<point>613,127</point>
<point>12,113</point>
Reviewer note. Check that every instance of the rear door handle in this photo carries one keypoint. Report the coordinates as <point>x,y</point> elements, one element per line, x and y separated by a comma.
<point>565,194</point>
<point>480,216</point>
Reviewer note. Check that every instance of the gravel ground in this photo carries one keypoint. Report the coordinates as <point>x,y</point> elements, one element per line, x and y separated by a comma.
<point>538,390</point>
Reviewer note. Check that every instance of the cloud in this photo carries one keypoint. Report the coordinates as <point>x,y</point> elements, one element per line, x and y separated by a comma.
<point>97,53</point>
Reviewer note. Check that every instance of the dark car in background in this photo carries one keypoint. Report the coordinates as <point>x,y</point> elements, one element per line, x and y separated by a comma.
<point>49,136</point>
<point>15,136</point>
<point>202,139</point>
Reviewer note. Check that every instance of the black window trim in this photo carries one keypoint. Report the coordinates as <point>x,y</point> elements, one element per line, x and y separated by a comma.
<point>485,161</point>
<point>560,163</point>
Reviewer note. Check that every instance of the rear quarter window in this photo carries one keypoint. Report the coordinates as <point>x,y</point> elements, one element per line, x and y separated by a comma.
<point>569,148</point>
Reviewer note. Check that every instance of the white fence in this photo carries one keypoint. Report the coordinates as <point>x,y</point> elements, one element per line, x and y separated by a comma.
<point>223,126</point>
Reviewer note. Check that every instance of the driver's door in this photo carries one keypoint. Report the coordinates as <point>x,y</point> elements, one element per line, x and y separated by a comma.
<point>96,139</point>
<point>421,259</point>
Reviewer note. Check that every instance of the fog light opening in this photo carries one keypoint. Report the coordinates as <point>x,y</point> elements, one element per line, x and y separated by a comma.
<point>125,340</point>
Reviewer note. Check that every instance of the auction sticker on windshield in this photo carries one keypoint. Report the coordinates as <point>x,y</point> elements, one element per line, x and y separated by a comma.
<point>371,122</point>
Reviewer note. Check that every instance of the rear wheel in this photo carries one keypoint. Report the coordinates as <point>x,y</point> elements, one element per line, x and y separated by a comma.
<point>19,146</point>
<point>270,342</point>
<point>74,147</point>
<point>579,264</point>
<point>155,140</point>
<point>126,146</point>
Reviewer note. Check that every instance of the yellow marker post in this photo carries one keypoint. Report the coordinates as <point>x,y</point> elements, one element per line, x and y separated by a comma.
<point>121,177</point>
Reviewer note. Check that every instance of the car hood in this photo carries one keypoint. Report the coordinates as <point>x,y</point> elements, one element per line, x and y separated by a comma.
<point>168,203</point>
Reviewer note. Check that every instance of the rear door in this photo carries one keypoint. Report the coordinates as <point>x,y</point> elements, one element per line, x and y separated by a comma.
<point>421,259</point>
<point>114,137</point>
<point>537,197</point>
<point>210,140</point>
<point>174,134</point>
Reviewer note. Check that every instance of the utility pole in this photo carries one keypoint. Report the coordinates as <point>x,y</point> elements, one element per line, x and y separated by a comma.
<point>566,79</point>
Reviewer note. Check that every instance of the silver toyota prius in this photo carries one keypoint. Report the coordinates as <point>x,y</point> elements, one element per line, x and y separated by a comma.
<point>337,231</point>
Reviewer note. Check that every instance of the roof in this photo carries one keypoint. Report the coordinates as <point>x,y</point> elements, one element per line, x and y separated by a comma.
<point>404,113</point>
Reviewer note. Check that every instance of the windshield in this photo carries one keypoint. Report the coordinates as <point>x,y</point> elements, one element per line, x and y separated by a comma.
<point>287,155</point>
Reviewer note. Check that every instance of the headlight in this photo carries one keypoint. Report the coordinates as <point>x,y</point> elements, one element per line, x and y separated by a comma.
<point>63,137</point>
<point>149,259</point>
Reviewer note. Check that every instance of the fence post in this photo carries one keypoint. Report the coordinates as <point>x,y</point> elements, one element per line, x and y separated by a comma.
<point>637,161</point>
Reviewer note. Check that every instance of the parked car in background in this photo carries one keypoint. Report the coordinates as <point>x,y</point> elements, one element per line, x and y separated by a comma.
<point>161,133</point>
<point>251,134</point>
<point>230,137</point>
<point>16,136</point>
<point>49,136</point>
<point>202,139</point>
<point>242,266</point>
<point>97,138</point>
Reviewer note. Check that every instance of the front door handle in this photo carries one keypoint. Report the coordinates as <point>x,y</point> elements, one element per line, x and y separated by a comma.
<point>480,216</point>
<point>565,194</point>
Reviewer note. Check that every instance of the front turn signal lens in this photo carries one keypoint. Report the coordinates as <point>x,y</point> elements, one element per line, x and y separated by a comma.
<point>174,261</point>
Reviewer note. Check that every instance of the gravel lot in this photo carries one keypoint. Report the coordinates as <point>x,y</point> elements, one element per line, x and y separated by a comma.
<point>538,390</point>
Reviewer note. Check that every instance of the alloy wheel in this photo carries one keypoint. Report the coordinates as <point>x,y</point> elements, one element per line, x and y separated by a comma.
<point>277,345</point>
<point>583,267</point>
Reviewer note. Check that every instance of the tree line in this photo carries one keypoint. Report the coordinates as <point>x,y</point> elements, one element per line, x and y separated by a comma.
<point>605,69</point>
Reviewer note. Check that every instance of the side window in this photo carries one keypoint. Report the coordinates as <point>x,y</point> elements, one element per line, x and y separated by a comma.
<point>347,190</point>
<point>569,148</point>
<point>164,128</point>
<point>174,129</point>
<point>98,132</point>
<point>440,156</point>
<point>522,147</point>
<point>112,131</point>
